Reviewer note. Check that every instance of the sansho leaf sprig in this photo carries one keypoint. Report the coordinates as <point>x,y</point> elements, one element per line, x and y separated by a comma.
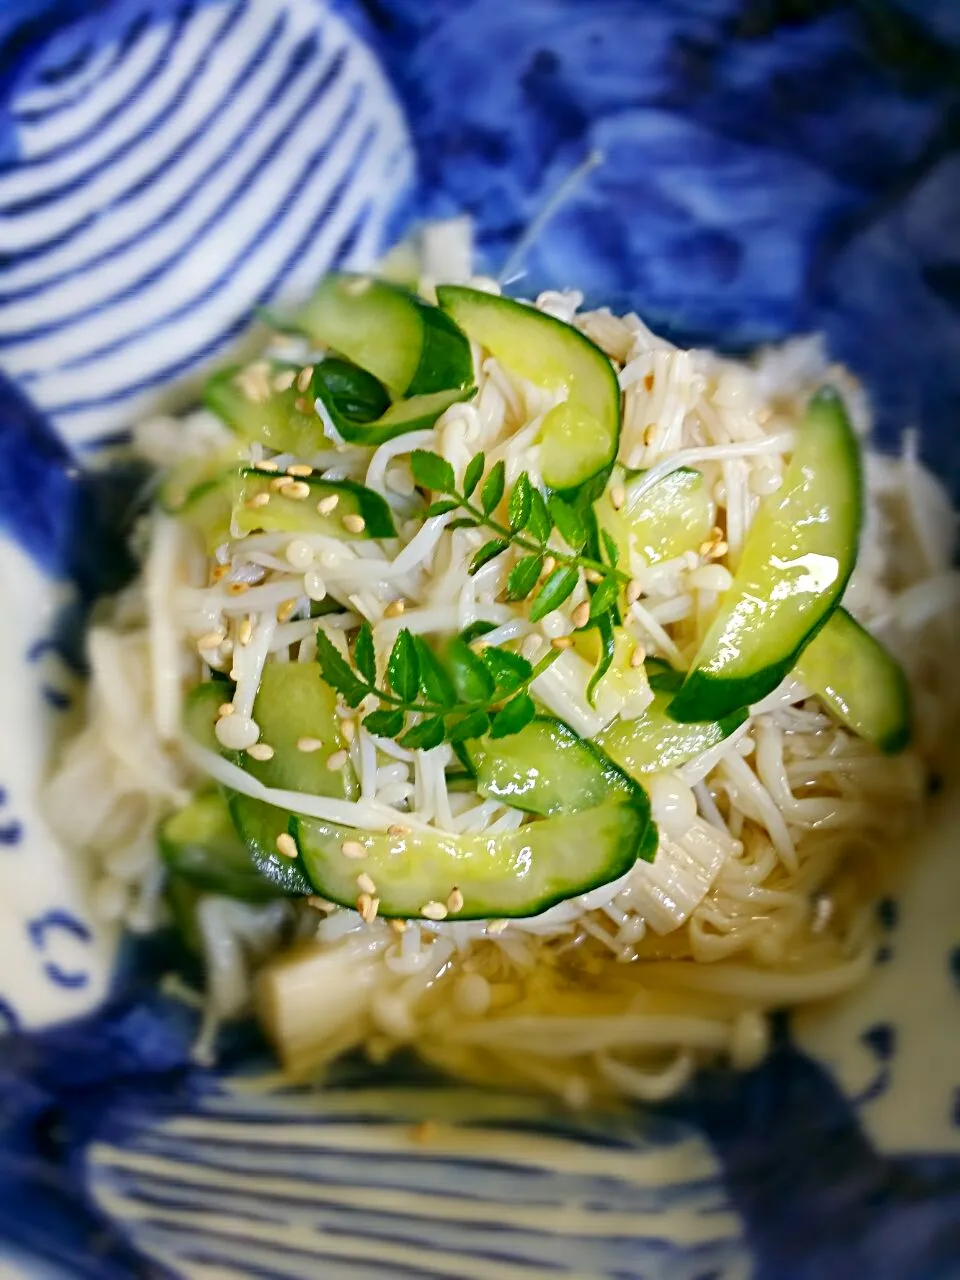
<point>544,575</point>
<point>463,694</point>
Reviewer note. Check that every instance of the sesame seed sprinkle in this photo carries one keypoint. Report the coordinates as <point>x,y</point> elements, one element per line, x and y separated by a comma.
<point>593,575</point>
<point>258,500</point>
<point>398,926</point>
<point>286,845</point>
<point>353,849</point>
<point>279,483</point>
<point>455,901</point>
<point>398,829</point>
<point>549,565</point>
<point>245,631</point>
<point>497,926</point>
<point>433,911</point>
<point>337,761</point>
<point>561,642</point>
<point>368,907</point>
<point>348,730</point>
<point>354,523</point>
<point>618,496</point>
<point>309,745</point>
<point>300,469</point>
<point>320,904</point>
<point>260,751</point>
<point>211,640</point>
<point>634,591</point>
<point>394,609</point>
<point>304,377</point>
<point>328,504</point>
<point>581,614</point>
<point>638,656</point>
<point>225,709</point>
<point>298,490</point>
<point>286,609</point>
<point>365,884</point>
<point>266,464</point>
<point>284,380</point>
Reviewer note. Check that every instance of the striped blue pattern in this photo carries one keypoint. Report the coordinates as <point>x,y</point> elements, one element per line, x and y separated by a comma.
<point>175,165</point>
<point>434,1183</point>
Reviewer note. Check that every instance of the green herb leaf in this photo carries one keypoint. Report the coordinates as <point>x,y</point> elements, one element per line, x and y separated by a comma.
<point>509,670</point>
<point>471,477</point>
<point>402,667</point>
<point>493,487</point>
<point>511,718</point>
<point>540,522</point>
<point>554,591</point>
<point>489,551</point>
<point>523,577</point>
<point>434,681</point>
<point>432,472</point>
<point>475,725</point>
<point>428,733</point>
<point>364,655</point>
<point>610,547</point>
<point>383,723</point>
<point>471,679</point>
<point>605,628</point>
<point>476,629</point>
<point>462,522</point>
<point>518,508</point>
<point>338,673</point>
<point>440,508</point>
<point>604,596</point>
<point>568,522</point>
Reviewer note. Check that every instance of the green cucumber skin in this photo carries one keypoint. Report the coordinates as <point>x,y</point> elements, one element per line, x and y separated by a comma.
<point>277,422</point>
<point>626,843</point>
<point>889,691</point>
<point>417,414</point>
<point>456,299</point>
<point>258,824</point>
<point>708,696</point>
<point>542,801</point>
<point>216,860</point>
<point>446,362</point>
<point>376,513</point>
<point>672,754</point>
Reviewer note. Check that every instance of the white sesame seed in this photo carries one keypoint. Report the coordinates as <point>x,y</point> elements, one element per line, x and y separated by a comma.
<point>397,829</point>
<point>245,631</point>
<point>260,751</point>
<point>353,849</point>
<point>581,614</point>
<point>354,523</point>
<point>286,845</point>
<point>284,381</point>
<point>455,901</point>
<point>299,555</point>
<point>638,656</point>
<point>348,730</point>
<point>549,565</point>
<point>562,642</point>
<point>497,926</point>
<point>337,761</point>
<point>258,500</point>
<point>365,884</point>
<point>368,907</point>
<point>394,609</point>
<point>720,549</point>
<point>297,490</point>
<point>267,464</point>
<point>225,709</point>
<point>279,483</point>
<point>301,404</point>
<point>300,469</point>
<point>618,496</point>
<point>328,504</point>
<point>320,904</point>
<point>634,591</point>
<point>304,377</point>
<point>309,745</point>
<point>433,911</point>
<point>314,585</point>
<point>286,609</point>
<point>398,926</point>
<point>211,640</point>
<point>593,575</point>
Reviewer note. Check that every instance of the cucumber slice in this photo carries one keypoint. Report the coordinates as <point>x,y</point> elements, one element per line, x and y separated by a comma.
<point>391,333</point>
<point>281,514</point>
<point>655,741</point>
<point>258,825</point>
<point>275,421</point>
<point>545,769</point>
<point>674,516</point>
<point>517,873</point>
<point>200,712</point>
<point>580,436</point>
<point>351,417</point>
<point>200,844</point>
<point>860,681</point>
<point>797,560</point>
<point>294,702</point>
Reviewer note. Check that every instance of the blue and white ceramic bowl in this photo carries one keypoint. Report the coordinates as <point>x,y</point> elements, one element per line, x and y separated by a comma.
<point>165,166</point>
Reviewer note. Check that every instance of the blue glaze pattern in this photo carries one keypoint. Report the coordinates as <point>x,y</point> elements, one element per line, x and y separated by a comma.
<point>770,166</point>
